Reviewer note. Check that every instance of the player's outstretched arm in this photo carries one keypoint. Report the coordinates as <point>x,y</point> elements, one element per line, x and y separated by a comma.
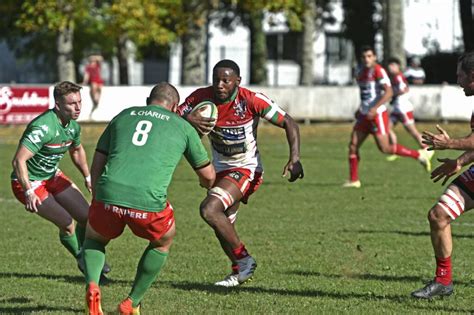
<point>207,176</point>
<point>293,166</point>
<point>78,156</point>
<point>98,164</point>
<point>443,141</point>
<point>451,167</point>
<point>21,170</point>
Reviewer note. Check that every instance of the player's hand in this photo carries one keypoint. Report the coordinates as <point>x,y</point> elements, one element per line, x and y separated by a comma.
<point>295,169</point>
<point>202,124</point>
<point>436,142</point>
<point>372,113</point>
<point>88,184</point>
<point>32,202</point>
<point>445,170</point>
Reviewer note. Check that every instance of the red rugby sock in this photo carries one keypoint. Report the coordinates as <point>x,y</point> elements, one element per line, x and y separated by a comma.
<point>403,151</point>
<point>443,270</point>
<point>353,167</point>
<point>240,252</point>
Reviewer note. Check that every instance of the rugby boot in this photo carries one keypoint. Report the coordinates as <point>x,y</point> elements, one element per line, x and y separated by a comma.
<point>433,289</point>
<point>229,281</point>
<point>425,159</point>
<point>247,267</point>
<point>352,184</point>
<point>126,308</point>
<point>391,158</point>
<point>93,306</point>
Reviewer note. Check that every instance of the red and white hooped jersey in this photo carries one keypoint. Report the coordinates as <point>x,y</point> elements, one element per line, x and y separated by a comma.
<point>371,82</point>
<point>234,138</point>
<point>400,102</point>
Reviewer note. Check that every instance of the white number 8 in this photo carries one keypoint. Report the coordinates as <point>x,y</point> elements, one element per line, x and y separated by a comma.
<point>141,134</point>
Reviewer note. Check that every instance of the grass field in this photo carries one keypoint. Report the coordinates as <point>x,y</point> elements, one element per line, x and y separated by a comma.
<point>320,248</point>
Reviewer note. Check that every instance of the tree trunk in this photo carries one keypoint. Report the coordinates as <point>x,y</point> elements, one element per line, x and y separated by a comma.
<point>467,23</point>
<point>65,62</point>
<point>258,50</point>
<point>393,30</point>
<point>122,51</point>
<point>308,37</point>
<point>359,23</point>
<point>194,43</point>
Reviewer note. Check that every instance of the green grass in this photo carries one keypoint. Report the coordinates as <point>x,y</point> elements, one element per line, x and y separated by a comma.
<point>320,248</point>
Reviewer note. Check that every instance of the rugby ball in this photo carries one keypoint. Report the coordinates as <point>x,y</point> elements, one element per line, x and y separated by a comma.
<point>207,109</point>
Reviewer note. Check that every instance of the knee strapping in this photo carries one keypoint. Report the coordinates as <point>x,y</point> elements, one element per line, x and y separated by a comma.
<point>451,204</point>
<point>223,195</point>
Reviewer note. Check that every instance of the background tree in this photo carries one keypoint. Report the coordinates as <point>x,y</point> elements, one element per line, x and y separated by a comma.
<point>393,30</point>
<point>467,23</point>
<point>360,27</point>
<point>194,41</point>
<point>307,41</point>
<point>58,18</point>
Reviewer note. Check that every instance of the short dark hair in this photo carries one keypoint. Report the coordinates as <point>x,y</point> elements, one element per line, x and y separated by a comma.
<point>365,48</point>
<point>466,61</point>
<point>163,92</point>
<point>64,88</point>
<point>393,60</point>
<point>227,63</point>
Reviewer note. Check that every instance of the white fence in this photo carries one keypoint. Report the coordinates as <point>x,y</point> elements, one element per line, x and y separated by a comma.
<point>308,103</point>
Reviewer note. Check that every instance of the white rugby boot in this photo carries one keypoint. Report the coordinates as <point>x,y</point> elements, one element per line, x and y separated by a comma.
<point>229,281</point>
<point>352,184</point>
<point>425,159</point>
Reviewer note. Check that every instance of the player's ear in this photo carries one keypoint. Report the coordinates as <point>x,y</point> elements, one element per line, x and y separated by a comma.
<point>238,80</point>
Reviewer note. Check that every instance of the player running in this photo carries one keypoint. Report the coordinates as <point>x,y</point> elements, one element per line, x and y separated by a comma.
<point>133,165</point>
<point>372,117</point>
<point>402,109</point>
<point>36,180</point>
<point>236,157</point>
<point>457,198</point>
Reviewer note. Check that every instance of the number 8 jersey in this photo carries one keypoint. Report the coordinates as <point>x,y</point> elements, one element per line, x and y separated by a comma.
<point>234,138</point>
<point>143,147</point>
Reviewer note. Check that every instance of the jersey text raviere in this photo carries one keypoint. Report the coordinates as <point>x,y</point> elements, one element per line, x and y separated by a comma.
<point>234,138</point>
<point>143,147</point>
<point>371,82</point>
<point>48,139</point>
<point>399,101</point>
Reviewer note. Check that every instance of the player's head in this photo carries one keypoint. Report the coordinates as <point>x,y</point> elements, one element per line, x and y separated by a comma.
<point>225,79</point>
<point>368,56</point>
<point>68,101</point>
<point>164,94</point>
<point>465,72</point>
<point>393,65</point>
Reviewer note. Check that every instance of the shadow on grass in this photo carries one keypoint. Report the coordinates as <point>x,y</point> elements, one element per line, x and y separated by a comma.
<point>39,308</point>
<point>368,276</point>
<point>406,300</point>
<point>65,278</point>
<point>405,233</point>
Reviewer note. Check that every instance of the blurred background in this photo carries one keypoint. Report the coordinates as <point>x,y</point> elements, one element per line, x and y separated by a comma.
<point>279,43</point>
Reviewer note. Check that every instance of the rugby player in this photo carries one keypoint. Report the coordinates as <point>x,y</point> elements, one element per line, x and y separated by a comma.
<point>132,168</point>
<point>36,180</point>
<point>457,198</point>
<point>402,108</point>
<point>236,157</point>
<point>372,116</point>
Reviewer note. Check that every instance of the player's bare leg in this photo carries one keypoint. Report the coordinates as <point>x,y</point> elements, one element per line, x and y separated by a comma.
<point>383,143</point>
<point>357,139</point>
<point>52,211</point>
<point>231,279</point>
<point>152,261</point>
<point>95,92</point>
<point>212,210</point>
<point>393,140</point>
<point>73,201</point>
<point>441,239</point>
